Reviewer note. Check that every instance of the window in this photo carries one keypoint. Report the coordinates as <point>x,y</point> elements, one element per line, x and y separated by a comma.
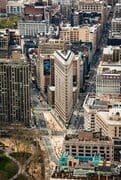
<point>87,151</point>
<point>73,150</point>
<point>80,154</point>
<point>87,154</point>
<point>101,147</point>
<point>81,147</point>
<point>81,150</point>
<point>95,147</point>
<point>101,151</point>
<point>115,131</point>
<point>87,147</point>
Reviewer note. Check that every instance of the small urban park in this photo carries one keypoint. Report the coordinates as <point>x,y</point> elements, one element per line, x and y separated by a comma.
<point>21,177</point>
<point>22,157</point>
<point>7,167</point>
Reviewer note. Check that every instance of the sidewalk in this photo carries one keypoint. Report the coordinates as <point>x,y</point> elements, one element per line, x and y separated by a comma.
<point>57,119</point>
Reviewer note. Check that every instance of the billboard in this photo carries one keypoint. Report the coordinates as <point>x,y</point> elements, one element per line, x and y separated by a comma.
<point>47,67</point>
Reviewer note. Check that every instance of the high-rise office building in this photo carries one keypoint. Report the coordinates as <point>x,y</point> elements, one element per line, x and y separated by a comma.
<point>14,92</point>
<point>64,84</point>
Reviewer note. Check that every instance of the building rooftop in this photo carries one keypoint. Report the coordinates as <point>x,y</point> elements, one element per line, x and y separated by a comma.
<point>65,56</point>
<point>76,166</point>
<point>111,116</point>
<point>86,135</point>
<point>91,1</point>
<point>118,19</point>
<point>84,169</point>
<point>108,50</point>
<point>15,3</point>
<point>21,60</point>
<point>33,10</point>
<point>34,22</point>
<point>115,40</point>
<point>94,27</point>
<point>52,88</point>
<point>94,102</point>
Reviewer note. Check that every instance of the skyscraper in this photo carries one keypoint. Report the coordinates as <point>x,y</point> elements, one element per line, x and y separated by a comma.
<point>14,92</point>
<point>64,84</point>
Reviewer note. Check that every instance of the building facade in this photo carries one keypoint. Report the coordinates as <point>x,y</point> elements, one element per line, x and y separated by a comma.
<point>32,28</point>
<point>47,47</point>
<point>4,44</point>
<point>14,92</point>
<point>15,7</point>
<point>108,79</point>
<point>116,25</point>
<point>83,33</point>
<point>64,84</point>
<point>109,121</point>
<point>93,6</point>
<point>87,144</point>
<point>91,105</point>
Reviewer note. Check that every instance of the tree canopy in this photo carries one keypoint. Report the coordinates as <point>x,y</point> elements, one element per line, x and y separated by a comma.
<point>9,22</point>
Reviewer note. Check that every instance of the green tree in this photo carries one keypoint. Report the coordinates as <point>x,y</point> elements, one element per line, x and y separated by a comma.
<point>9,22</point>
<point>11,169</point>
